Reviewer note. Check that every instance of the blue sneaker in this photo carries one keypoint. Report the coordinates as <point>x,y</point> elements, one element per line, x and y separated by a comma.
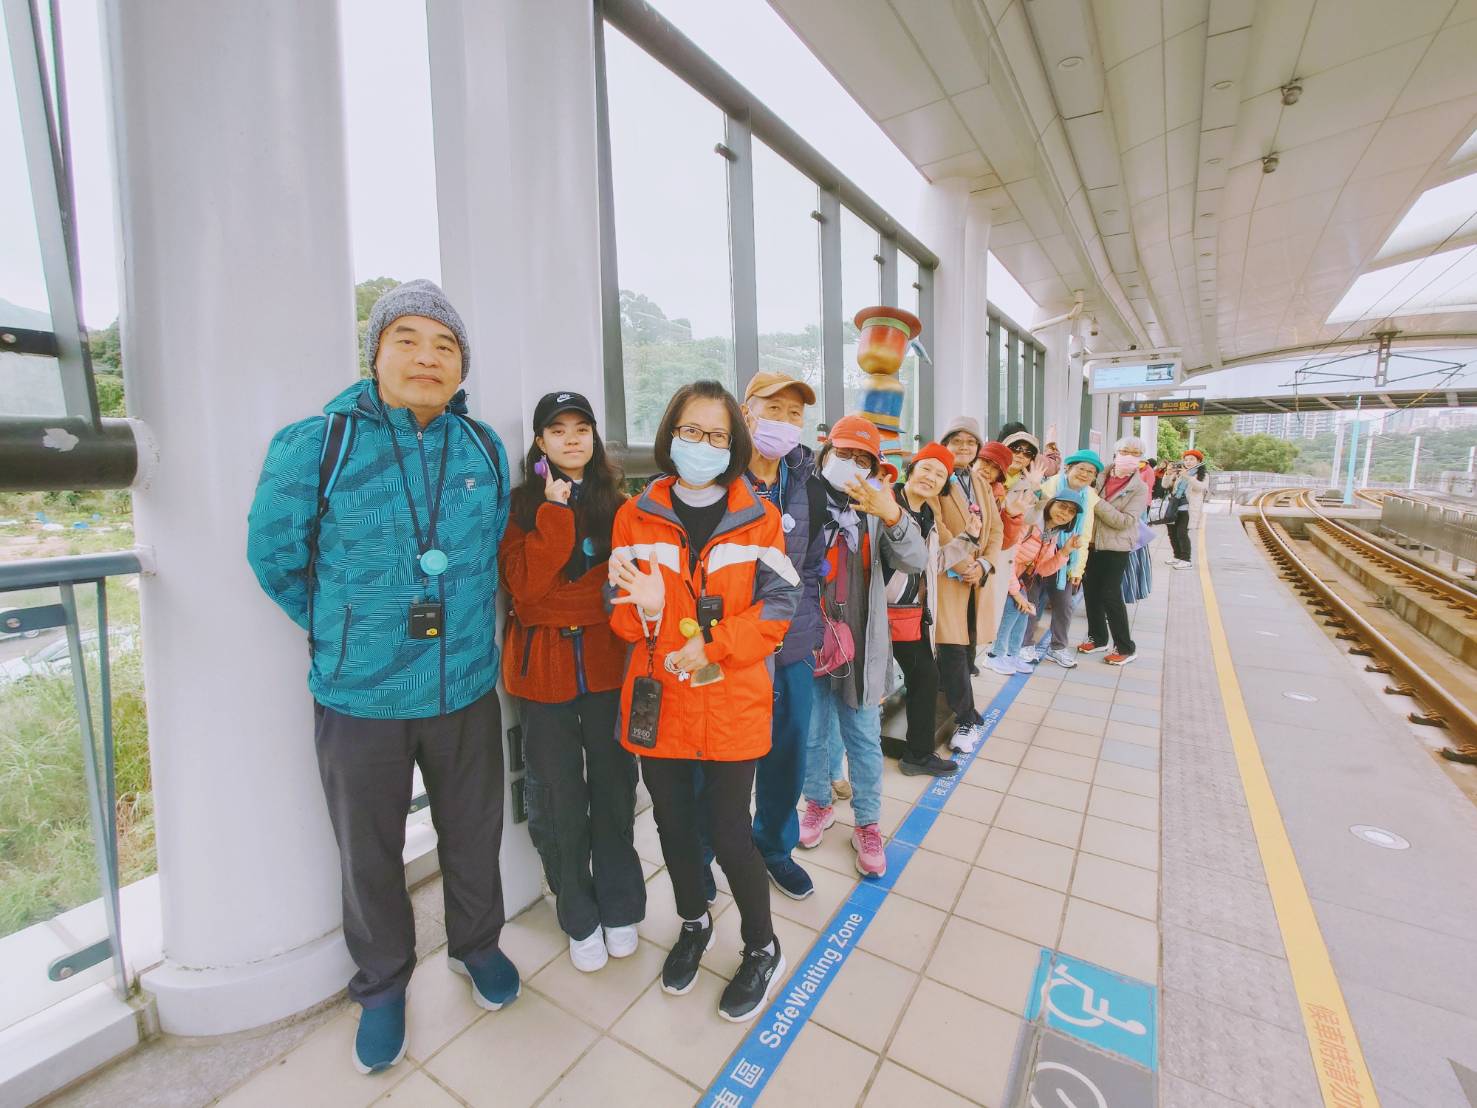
<point>495,982</point>
<point>790,879</point>
<point>380,1041</point>
<point>710,885</point>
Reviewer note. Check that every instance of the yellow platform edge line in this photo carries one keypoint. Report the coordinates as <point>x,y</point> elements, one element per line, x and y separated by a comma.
<point>1338,1059</point>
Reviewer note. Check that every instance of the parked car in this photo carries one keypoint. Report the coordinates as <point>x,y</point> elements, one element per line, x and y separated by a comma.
<point>55,658</point>
<point>7,633</point>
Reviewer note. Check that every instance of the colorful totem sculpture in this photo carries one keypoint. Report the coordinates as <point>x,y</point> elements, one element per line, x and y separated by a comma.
<point>882,342</point>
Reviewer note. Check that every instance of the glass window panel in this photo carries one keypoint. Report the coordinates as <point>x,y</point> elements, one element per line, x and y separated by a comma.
<point>788,270</point>
<point>671,228</point>
<point>861,287</point>
<point>29,385</point>
<point>1002,394</point>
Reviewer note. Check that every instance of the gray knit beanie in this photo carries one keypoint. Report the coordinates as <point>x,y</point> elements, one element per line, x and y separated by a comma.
<point>419,297</point>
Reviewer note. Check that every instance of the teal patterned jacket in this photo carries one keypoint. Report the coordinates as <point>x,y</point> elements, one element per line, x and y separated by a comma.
<point>364,662</point>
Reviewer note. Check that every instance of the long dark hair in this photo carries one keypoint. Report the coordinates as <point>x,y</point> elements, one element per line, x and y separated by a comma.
<point>600,493</point>
<point>740,445</point>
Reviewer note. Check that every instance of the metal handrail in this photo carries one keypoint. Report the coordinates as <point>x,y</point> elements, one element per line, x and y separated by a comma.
<point>64,574</point>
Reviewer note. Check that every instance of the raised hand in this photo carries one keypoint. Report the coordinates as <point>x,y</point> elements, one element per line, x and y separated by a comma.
<point>692,657</point>
<point>874,502</point>
<point>646,589</point>
<point>556,491</point>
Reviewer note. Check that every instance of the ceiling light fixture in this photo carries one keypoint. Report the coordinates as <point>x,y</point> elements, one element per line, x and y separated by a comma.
<point>1212,161</point>
<point>1069,63</point>
<point>1110,211</point>
<point>1205,253</point>
<point>1269,163</point>
<point>1221,86</point>
<point>1291,92</point>
<point>1207,215</point>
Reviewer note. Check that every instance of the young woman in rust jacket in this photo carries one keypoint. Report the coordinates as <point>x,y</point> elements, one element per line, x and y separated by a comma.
<point>564,663</point>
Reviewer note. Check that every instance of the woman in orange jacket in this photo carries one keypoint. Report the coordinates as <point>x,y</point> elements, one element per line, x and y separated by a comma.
<point>563,663</point>
<point>704,593</point>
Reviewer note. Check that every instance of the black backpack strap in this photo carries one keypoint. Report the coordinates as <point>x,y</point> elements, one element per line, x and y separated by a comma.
<point>485,443</point>
<point>338,440</point>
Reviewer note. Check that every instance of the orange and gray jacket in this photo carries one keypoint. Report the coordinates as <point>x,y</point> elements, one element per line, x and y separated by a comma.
<point>744,562</point>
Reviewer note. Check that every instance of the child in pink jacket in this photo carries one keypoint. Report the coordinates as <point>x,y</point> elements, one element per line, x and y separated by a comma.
<point>1042,553</point>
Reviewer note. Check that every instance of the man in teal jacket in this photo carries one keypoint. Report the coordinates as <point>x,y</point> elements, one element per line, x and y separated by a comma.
<point>375,528</point>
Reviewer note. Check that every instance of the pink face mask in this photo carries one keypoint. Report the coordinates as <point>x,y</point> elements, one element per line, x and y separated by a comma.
<point>1124,464</point>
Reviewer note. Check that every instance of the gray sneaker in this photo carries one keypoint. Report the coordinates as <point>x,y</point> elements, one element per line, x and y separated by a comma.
<point>1062,658</point>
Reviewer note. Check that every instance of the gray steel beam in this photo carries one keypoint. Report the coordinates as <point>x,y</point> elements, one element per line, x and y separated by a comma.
<point>1012,378</point>
<point>738,149</point>
<point>994,411</point>
<point>45,454</point>
<point>610,288</point>
<point>926,429</point>
<point>1028,388</point>
<point>887,259</point>
<point>833,395</point>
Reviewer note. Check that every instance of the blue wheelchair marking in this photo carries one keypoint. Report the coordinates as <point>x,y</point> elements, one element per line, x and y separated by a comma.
<point>765,1046</point>
<point>1106,1010</point>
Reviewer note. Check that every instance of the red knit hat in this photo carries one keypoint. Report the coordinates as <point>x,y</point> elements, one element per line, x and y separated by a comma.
<point>940,454</point>
<point>998,453</point>
<point>1198,453</point>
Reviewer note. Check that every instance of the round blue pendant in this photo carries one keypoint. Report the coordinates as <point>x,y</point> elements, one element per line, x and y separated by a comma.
<point>787,521</point>
<point>588,546</point>
<point>433,562</point>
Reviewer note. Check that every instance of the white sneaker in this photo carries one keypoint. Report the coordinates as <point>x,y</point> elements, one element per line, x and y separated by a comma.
<point>1172,562</point>
<point>1001,665</point>
<point>621,941</point>
<point>588,954</point>
<point>965,740</point>
<point>1184,565</point>
<point>1023,666</point>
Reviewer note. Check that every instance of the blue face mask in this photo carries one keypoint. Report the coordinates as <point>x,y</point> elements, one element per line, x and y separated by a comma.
<point>698,462</point>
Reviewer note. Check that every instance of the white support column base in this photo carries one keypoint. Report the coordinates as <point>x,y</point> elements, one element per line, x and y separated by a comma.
<point>237,998</point>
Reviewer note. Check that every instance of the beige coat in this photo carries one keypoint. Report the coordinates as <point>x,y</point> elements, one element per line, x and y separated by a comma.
<point>953,595</point>
<point>1116,522</point>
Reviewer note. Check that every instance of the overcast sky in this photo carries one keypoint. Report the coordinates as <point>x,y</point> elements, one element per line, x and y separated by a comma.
<point>669,183</point>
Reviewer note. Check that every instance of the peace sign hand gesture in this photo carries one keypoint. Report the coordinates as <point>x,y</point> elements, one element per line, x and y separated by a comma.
<point>873,501</point>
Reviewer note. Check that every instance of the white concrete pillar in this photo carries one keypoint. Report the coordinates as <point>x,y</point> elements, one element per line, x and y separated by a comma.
<point>974,378</point>
<point>1149,432</point>
<point>1062,406</point>
<point>944,227</point>
<point>517,191</point>
<point>238,318</point>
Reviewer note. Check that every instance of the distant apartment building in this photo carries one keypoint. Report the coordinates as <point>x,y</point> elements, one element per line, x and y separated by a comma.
<point>1286,425</point>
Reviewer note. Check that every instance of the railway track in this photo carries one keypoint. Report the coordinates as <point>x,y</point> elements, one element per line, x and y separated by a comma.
<point>1440,708</point>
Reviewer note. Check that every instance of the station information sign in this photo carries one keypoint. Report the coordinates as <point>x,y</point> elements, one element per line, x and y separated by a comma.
<point>1166,407</point>
<point>1149,376</point>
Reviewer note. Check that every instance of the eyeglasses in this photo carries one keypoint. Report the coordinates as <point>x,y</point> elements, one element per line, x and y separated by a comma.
<point>690,433</point>
<point>851,454</point>
<point>1024,448</point>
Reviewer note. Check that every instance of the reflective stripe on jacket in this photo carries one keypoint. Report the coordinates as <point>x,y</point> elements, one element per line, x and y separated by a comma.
<point>744,562</point>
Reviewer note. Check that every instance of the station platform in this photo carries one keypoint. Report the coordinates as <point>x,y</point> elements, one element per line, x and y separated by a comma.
<point>1227,874</point>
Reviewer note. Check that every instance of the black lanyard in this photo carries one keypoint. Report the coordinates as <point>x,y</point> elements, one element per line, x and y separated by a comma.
<point>429,541</point>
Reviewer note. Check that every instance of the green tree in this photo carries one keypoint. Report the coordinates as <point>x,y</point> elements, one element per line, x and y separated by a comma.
<point>110,394</point>
<point>1257,453</point>
<point>365,295</point>
<point>106,349</point>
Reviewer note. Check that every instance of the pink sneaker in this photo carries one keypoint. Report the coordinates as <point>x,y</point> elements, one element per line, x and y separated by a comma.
<point>870,858</point>
<point>814,823</point>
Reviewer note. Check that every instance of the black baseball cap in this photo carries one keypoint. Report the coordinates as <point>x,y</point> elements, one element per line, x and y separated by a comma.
<point>555,403</point>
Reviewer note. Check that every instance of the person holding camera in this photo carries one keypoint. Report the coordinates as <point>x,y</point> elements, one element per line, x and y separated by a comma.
<point>703,591</point>
<point>1186,483</point>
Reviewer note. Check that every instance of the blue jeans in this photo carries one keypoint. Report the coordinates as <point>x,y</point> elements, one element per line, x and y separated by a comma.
<point>781,772</point>
<point>1013,625</point>
<point>861,732</point>
<point>838,753</point>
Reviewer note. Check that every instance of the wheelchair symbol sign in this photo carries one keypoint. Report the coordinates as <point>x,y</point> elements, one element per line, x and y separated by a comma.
<point>1073,1089</point>
<point>1095,1006</point>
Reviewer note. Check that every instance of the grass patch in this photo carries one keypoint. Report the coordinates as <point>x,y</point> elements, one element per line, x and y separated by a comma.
<point>46,850</point>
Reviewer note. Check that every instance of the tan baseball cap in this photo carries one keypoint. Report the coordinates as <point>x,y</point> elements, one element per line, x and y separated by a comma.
<point>766,384</point>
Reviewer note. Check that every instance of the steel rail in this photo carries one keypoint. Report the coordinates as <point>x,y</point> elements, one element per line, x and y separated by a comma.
<point>1442,709</point>
<point>1455,597</point>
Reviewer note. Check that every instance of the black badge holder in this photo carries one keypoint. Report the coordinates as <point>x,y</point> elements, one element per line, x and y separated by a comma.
<point>646,701</point>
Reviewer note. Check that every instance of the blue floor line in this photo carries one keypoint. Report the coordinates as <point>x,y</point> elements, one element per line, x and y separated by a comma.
<point>769,1040</point>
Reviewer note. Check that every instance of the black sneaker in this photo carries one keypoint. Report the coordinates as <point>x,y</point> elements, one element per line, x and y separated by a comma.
<point>710,886</point>
<point>759,974</point>
<point>932,766</point>
<point>680,969</point>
